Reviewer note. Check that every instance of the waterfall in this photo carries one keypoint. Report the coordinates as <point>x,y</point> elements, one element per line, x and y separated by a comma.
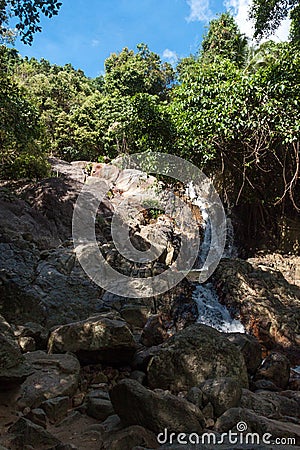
<point>212,313</point>
<point>210,310</point>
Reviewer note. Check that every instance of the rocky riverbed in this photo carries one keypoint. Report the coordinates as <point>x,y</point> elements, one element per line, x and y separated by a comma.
<point>86,369</point>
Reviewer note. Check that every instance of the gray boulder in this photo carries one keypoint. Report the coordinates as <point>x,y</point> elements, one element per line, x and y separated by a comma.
<point>270,404</point>
<point>264,301</point>
<point>99,338</point>
<point>222,393</point>
<point>53,376</point>
<point>26,433</point>
<point>257,424</point>
<point>136,405</point>
<point>193,356</point>
<point>99,405</point>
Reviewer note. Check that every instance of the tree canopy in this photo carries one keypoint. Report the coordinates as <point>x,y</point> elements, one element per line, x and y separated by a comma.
<point>224,39</point>
<point>27,14</point>
<point>231,109</point>
<point>268,15</point>
<point>130,73</point>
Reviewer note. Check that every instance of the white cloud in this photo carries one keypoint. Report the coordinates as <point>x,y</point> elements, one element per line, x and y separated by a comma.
<point>170,56</point>
<point>95,43</point>
<point>241,9</point>
<point>282,33</point>
<point>200,10</point>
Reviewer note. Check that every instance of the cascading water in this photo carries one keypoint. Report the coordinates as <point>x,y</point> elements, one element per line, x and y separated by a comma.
<point>211,312</point>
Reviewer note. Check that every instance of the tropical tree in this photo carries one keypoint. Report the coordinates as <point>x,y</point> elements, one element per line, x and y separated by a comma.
<point>20,128</point>
<point>269,14</point>
<point>27,14</point>
<point>243,124</point>
<point>130,73</point>
<point>225,40</point>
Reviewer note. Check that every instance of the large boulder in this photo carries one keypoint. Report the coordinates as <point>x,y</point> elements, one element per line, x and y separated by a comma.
<point>100,338</point>
<point>26,433</point>
<point>53,376</point>
<point>222,393</point>
<point>270,404</point>
<point>267,305</point>
<point>254,423</point>
<point>98,405</point>
<point>39,274</point>
<point>13,367</point>
<point>137,405</point>
<point>134,437</point>
<point>194,355</point>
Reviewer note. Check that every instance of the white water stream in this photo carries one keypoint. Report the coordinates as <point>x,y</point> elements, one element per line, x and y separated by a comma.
<point>211,312</point>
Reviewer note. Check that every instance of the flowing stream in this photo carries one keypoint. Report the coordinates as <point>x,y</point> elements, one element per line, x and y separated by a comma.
<point>211,312</point>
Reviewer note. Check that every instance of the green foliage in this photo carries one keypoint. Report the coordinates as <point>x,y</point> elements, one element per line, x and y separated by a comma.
<point>129,73</point>
<point>84,118</point>
<point>269,14</point>
<point>243,122</point>
<point>153,207</point>
<point>27,165</point>
<point>224,40</point>
<point>57,92</point>
<point>295,25</point>
<point>233,110</point>
<point>27,14</point>
<point>19,120</point>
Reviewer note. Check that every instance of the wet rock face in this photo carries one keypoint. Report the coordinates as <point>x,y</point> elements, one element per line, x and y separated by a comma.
<point>39,276</point>
<point>39,273</point>
<point>51,287</point>
<point>154,410</point>
<point>267,305</point>
<point>98,339</point>
<point>194,355</point>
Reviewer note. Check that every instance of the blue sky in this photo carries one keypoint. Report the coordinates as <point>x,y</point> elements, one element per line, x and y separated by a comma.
<point>86,31</point>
